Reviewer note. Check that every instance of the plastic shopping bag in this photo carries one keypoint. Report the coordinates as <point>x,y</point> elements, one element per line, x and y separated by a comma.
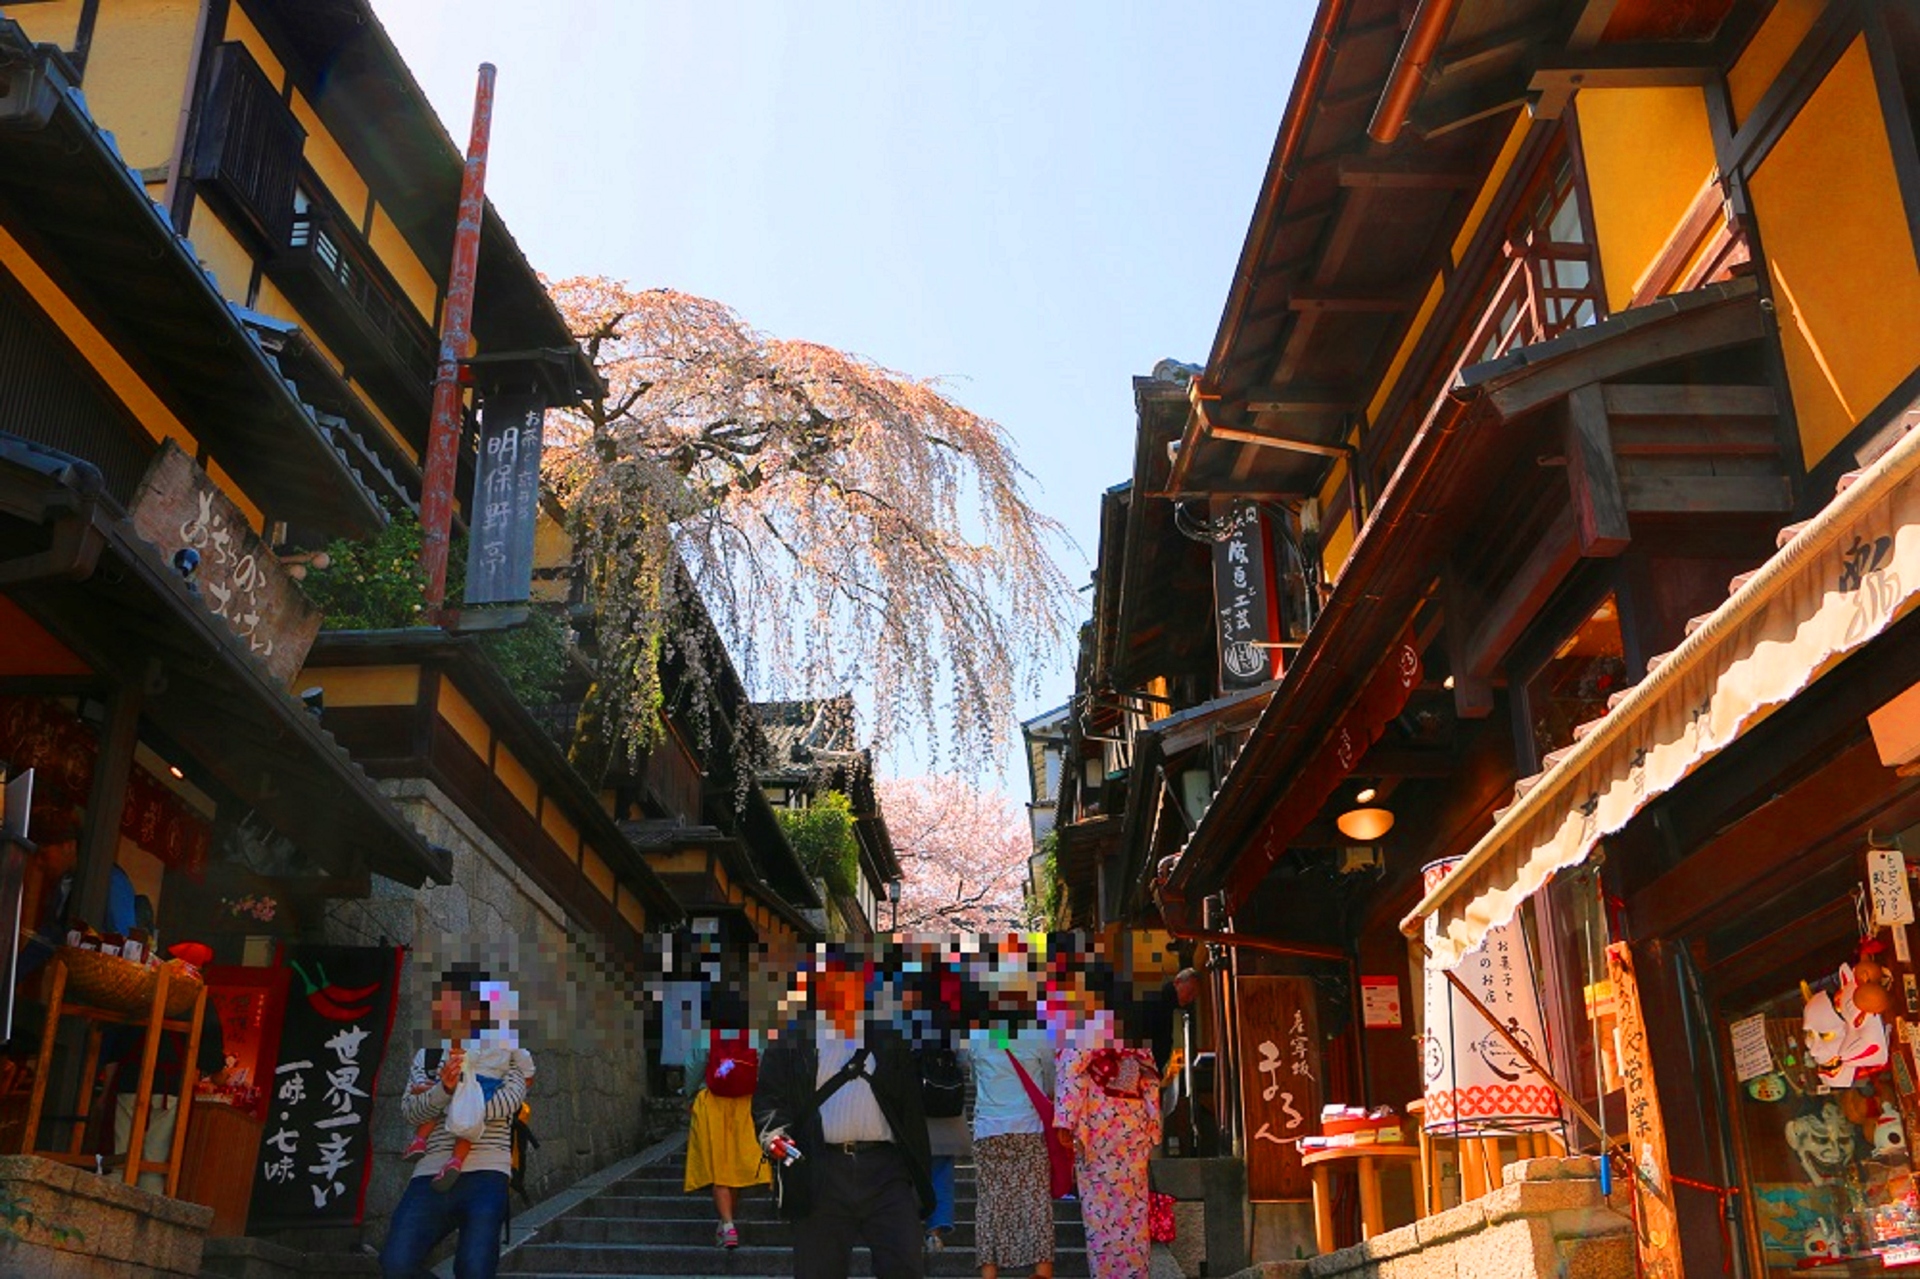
<point>467,1112</point>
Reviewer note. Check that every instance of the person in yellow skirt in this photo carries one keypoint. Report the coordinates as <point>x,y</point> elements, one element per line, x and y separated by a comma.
<point>722,1148</point>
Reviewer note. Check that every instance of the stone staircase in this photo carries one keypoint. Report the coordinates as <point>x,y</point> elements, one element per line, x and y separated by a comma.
<point>645,1225</point>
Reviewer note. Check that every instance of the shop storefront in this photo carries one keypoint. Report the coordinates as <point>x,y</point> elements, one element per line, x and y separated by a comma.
<point>1718,881</point>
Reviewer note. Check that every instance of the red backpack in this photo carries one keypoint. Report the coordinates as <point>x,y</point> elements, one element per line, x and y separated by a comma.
<point>733,1067</point>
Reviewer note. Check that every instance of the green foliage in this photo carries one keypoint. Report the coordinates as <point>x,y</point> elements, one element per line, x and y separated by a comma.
<point>377,585</point>
<point>1047,896</point>
<point>823,837</point>
<point>532,657</point>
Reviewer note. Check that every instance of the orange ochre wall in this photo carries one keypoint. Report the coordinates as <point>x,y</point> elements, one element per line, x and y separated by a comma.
<point>1839,255</point>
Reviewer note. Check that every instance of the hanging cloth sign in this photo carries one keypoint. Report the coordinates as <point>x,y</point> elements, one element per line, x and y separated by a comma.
<point>1476,1084</point>
<point>318,1146</point>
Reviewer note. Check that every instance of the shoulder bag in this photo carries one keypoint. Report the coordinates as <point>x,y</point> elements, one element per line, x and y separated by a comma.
<point>793,1183</point>
<point>1059,1144</point>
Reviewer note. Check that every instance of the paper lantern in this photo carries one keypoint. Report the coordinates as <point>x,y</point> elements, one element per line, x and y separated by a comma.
<point>1476,1085</point>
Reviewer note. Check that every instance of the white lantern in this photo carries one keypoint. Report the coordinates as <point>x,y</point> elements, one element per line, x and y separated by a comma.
<point>1476,1084</point>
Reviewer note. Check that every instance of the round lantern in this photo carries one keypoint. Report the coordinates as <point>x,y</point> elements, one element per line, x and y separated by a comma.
<point>1476,1085</point>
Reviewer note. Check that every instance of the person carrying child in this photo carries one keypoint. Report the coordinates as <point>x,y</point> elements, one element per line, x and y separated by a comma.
<point>472,1014</point>
<point>489,1057</point>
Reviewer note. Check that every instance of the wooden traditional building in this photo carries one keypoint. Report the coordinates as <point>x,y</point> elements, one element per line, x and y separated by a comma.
<point>225,237</point>
<point>1549,318</point>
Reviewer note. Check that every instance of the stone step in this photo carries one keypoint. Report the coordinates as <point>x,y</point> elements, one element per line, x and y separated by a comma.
<point>558,1259</point>
<point>756,1206</point>
<point>698,1231</point>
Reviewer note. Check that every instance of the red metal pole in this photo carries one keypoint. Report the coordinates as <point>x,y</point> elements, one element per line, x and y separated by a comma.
<point>456,321</point>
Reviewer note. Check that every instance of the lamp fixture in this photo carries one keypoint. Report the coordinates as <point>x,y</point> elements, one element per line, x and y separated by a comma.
<point>178,775</point>
<point>1447,683</point>
<point>1366,796</point>
<point>1365,825</point>
<point>893,891</point>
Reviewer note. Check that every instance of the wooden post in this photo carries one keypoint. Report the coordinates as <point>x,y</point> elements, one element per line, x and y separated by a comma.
<point>149,1057</point>
<point>100,842</point>
<point>1659,1233</point>
<point>189,1077</point>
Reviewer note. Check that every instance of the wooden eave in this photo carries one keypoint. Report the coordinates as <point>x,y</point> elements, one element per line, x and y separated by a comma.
<point>1426,509</point>
<point>459,659</point>
<point>67,195</point>
<point>1347,232</point>
<point>342,58</point>
<point>73,562</point>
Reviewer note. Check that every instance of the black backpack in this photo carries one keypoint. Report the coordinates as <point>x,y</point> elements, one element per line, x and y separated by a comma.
<point>943,1085</point>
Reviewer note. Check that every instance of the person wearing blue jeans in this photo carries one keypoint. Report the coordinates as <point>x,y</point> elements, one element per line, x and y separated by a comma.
<point>941,1221</point>
<point>475,1205</point>
<point>474,1200</point>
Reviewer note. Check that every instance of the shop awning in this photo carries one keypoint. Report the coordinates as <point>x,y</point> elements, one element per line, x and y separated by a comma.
<point>1837,581</point>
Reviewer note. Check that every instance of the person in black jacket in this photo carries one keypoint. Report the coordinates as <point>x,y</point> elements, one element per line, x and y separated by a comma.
<point>865,1163</point>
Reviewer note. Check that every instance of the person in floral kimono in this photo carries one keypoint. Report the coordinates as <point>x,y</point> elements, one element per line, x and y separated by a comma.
<point>1109,1102</point>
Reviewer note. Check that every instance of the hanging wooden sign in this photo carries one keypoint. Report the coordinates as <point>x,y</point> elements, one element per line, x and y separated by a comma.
<point>178,509</point>
<point>506,499</point>
<point>1280,1092</point>
<point>1659,1224</point>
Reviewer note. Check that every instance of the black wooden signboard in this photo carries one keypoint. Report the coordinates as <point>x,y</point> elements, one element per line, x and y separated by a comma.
<point>1245,606</point>
<point>318,1147</point>
<point>506,499</point>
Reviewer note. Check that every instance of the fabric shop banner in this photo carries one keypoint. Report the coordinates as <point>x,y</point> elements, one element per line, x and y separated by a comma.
<point>318,1147</point>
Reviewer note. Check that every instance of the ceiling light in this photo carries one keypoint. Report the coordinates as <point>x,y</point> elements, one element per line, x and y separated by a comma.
<point>1367,796</point>
<point>175,770</point>
<point>1364,825</point>
<point>1447,683</point>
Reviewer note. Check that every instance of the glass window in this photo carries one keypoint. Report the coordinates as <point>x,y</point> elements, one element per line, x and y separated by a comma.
<point>1825,1159</point>
<point>1573,687</point>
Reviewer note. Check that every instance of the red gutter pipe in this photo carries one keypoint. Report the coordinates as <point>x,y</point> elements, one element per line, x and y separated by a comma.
<point>1430,24</point>
<point>456,327</point>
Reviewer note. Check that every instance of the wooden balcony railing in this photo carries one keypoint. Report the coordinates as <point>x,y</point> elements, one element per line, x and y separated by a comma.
<point>246,154</point>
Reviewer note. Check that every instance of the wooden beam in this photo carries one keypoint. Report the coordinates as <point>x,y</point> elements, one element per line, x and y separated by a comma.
<point>1657,341</point>
<point>1618,66</point>
<point>106,799</point>
<point>1275,442</point>
<point>1491,47</point>
<point>1592,24</point>
<point>1699,494</point>
<point>1367,303</point>
<point>1690,400</point>
<point>1469,106</point>
<point>1531,585</point>
<point>1713,437</point>
<point>1472,694</point>
<point>1360,171</point>
<point>1599,509</point>
<point>1303,399</point>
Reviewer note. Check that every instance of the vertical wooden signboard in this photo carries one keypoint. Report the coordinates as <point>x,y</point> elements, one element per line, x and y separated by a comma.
<point>1243,598</point>
<point>1659,1233</point>
<point>1280,1089</point>
<point>506,499</point>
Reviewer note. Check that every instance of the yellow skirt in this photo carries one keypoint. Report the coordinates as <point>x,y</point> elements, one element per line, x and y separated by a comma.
<point>721,1146</point>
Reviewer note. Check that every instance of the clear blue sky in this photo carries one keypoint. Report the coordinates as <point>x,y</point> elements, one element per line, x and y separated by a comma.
<point>1036,201</point>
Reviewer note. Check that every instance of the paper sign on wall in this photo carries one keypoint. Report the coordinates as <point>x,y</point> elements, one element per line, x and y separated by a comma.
<point>1887,881</point>
<point>1380,1002</point>
<point>1751,1056</point>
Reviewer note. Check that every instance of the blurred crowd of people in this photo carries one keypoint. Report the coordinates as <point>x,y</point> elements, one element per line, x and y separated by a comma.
<point>883,1067</point>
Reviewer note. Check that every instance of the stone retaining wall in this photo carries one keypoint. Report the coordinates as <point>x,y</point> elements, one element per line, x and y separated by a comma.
<point>1549,1219</point>
<point>67,1223</point>
<point>580,1014</point>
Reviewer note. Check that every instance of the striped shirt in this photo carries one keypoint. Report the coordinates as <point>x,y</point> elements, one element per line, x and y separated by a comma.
<point>493,1152</point>
<point>852,1113</point>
